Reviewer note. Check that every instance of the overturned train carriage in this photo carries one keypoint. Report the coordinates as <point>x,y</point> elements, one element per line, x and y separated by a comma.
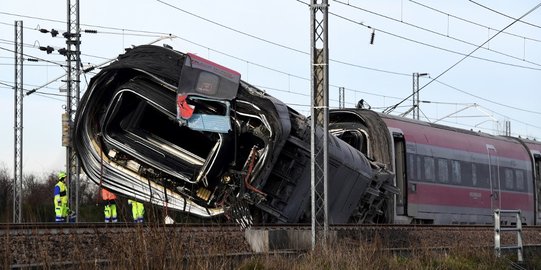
<point>175,129</point>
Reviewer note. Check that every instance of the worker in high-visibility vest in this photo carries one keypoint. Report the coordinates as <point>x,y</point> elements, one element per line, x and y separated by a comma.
<point>109,200</point>
<point>61,198</point>
<point>138,210</point>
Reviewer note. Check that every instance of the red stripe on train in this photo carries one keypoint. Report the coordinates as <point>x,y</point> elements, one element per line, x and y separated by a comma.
<point>447,195</point>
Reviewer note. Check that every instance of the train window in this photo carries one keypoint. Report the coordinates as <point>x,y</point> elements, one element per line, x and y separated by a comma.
<point>411,166</point>
<point>429,168</point>
<point>474,174</point>
<point>456,172</point>
<point>483,175</point>
<point>509,181</point>
<point>419,170</point>
<point>465,173</point>
<point>443,170</point>
<point>355,138</point>
<point>520,179</point>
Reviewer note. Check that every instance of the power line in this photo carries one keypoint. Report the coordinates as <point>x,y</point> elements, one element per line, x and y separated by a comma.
<point>463,58</point>
<point>434,32</point>
<point>88,25</point>
<point>505,15</point>
<point>11,24</point>
<point>487,100</point>
<point>231,28</point>
<point>128,34</point>
<point>303,78</point>
<point>275,43</point>
<point>515,120</point>
<point>123,33</point>
<point>42,86</point>
<point>472,22</point>
<point>271,42</point>
<point>289,74</point>
<point>46,95</point>
<point>41,59</point>
<point>424,44</point>
<point>33,85</point>
<point>153,33</point>
<point>5,84</point>
<point>29,65</point>
<point>430,45</point>
<point>52,96</point>
<point>306,95</point>
<point>299,51</point>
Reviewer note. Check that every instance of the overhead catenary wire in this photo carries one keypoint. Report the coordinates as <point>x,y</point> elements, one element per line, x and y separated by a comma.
<point>8,86</point>
<point>82,24</point>
<point>472,22</point>
<point>231,28</point>
<point>435,32</point>
<point>432,46</point>
<point>276,43</point>
<point>486,99</point>
<point>263,87</point>
<point>463,58</point>
<point>505,15</point>
<point>371,28</point>
<point>280,45</point>
<point>154,34</point>
<point>259,65</point>
<point>515,120</point>
<point>38,58</point>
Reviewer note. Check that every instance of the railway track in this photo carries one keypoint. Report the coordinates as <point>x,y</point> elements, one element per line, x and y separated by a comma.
<point>52,243</point>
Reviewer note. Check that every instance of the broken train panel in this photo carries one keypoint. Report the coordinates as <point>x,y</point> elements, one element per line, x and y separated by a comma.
<point>178,130</point>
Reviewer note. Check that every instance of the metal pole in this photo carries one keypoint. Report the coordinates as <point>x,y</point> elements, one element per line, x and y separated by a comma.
<point>341,97</point>
<point>72,82</point>
<point>416,99</point>
<point>18,129</point>
<point>319,120</point>
<point>416,95</point>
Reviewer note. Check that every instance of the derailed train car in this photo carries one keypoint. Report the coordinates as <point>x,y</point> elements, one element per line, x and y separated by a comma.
<point>448,175</point>
<point>180,131</point>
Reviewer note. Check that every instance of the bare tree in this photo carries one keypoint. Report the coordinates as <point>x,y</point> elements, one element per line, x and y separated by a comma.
<point>6,195</point>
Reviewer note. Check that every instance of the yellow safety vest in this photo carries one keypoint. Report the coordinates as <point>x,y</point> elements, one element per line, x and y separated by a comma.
<point>62,198</point>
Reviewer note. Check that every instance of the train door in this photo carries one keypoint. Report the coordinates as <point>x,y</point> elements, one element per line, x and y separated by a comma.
<point>537,186</point>
<point>400,172</point>
<point>494,178</point>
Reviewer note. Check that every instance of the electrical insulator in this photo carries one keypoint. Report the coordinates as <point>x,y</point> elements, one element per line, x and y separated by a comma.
<point>66,140</point>
<point>63,51</point>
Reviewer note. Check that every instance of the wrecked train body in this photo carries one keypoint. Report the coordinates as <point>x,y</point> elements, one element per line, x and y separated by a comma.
<point>175,129</point>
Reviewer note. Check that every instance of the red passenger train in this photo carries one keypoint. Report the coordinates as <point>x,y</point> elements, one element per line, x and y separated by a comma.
<point>447,175</point>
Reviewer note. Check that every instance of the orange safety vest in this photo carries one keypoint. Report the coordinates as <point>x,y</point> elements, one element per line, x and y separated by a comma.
<point>107,195</point>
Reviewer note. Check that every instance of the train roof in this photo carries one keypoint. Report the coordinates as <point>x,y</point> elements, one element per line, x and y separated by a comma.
<point>444,127</point>
<point>441,135</point>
